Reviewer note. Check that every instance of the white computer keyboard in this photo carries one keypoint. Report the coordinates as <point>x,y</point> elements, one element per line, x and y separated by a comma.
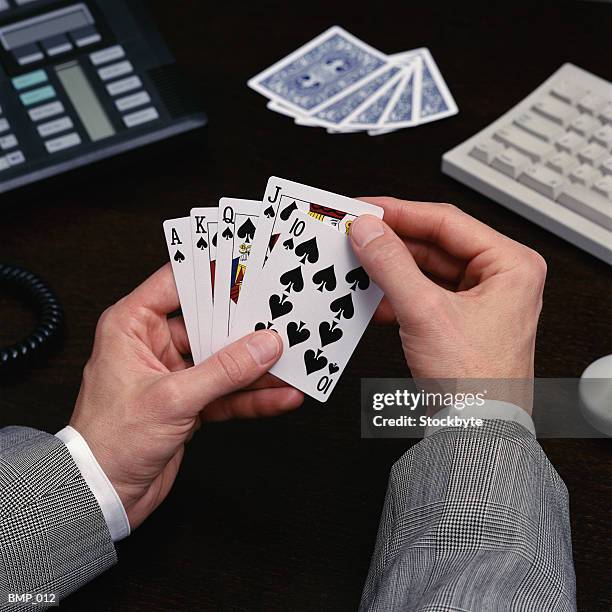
<point>550,159</point>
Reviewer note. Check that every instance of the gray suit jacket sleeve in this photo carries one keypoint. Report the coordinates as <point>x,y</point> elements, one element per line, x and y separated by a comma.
<point>53,536</point>
<point>474,519</point>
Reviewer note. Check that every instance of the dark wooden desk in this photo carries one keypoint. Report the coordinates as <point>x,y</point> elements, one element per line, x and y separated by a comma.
<point>282,514</point>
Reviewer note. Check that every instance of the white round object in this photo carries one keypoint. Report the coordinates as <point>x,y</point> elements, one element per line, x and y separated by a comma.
<point>596,395</point>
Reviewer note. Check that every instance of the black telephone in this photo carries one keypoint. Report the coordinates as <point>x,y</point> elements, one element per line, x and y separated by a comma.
<point>83,81</point>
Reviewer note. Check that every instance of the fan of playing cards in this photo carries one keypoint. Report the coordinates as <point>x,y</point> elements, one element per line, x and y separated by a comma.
<point>283,264</point>
<point>338,82</point>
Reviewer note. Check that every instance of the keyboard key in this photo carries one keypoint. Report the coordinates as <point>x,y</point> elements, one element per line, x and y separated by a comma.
<point>584,175</point>
<point>4,5</point>
<point>603,136</point>
<point>37,95</point>
<point>584,125</point>
<point>115,70</point>
<point>30,79</point>
<point>542,180</point>
<point>56,45</point>
<point>8,142</point>
<point>123,85</point>
<point>567,91</point>
<point>603,186</point>
<point>55,127</point>
<point>138,99</point>
<point>555,110</point>
<point>15,158</point>
<point>562,162</point>
<point>486,150</point>
<point>571,143</point>
<point>63,142</point>
<point>538,126</point>
<point>535,148</point>
<point>606,166</point>
<point>46,110</point>
<point>143,116</point>
<point>592,153</point>
<point>591,103</point>
<point>606,114</point>
<point>4,165</point>
<point>4,125</point>
<point>511,162</point>
<point>588,204</point>
<point>107,55</point>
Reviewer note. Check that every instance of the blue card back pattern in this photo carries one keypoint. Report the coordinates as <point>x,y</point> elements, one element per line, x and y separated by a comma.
<point>337,111</point>
<point>402,111</point>
<point>432,100</point>
<point>372,113</point>
<point>317,75</point>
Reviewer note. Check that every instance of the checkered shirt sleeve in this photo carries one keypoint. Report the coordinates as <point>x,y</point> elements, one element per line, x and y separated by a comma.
<point>474,519</point>
<point>53,536</point>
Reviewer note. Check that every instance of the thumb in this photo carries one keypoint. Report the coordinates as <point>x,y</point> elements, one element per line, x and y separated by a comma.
<point>390,265</point>
<point>230,369</point>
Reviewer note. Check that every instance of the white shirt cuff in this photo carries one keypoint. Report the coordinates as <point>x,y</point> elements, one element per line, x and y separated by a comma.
<point>491,409</point>
<point>97,481</point>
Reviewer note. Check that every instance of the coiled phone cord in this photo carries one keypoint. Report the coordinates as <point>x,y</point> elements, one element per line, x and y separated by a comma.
<point>50,317</point>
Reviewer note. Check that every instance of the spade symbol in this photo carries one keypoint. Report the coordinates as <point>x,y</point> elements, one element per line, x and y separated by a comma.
<point>201,244</point>
<point>279,306</point>
<point>261,325</point>
<point>246,231</point>
<point>293,280</point>
<point>314,361</point>
<point>288,244</point>
<point>333,368</point>
<point>269,212</point>
<point>214,240</point>
<point>308,250</point>
<point>358,278</point>
<point>329,333</point>
<point>297,333</point>
<point>343,306</point>
<point>325,278</point>
<point>227,233</point>
<point>288,210</point>
<point>179,257</point>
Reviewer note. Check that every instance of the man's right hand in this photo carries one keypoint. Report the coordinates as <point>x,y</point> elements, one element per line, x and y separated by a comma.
<point>467,298</point>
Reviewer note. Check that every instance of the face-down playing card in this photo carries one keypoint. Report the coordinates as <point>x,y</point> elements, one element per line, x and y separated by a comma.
<point>237,222</point>
<point>177,234</point>
<point>203,242</point>
<point>319,72</point>
<point>316,295</point>
<point>281,199</point>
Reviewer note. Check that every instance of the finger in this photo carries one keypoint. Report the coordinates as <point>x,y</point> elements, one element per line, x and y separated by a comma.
<point>158,293</point>
<point>268,381</point>
<point>434,260</point>
<point>253,404</point>
<point>446,226</point>
<point>232,368</point>
<point>178,333</point>
<point>391,266</point>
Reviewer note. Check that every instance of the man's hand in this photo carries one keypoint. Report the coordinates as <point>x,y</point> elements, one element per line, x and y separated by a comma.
<point>140,403</point>
<point>467,298</point>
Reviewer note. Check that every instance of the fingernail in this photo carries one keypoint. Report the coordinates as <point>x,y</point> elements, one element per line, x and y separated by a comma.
<point>365,229</point>
<point>264,347</point>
